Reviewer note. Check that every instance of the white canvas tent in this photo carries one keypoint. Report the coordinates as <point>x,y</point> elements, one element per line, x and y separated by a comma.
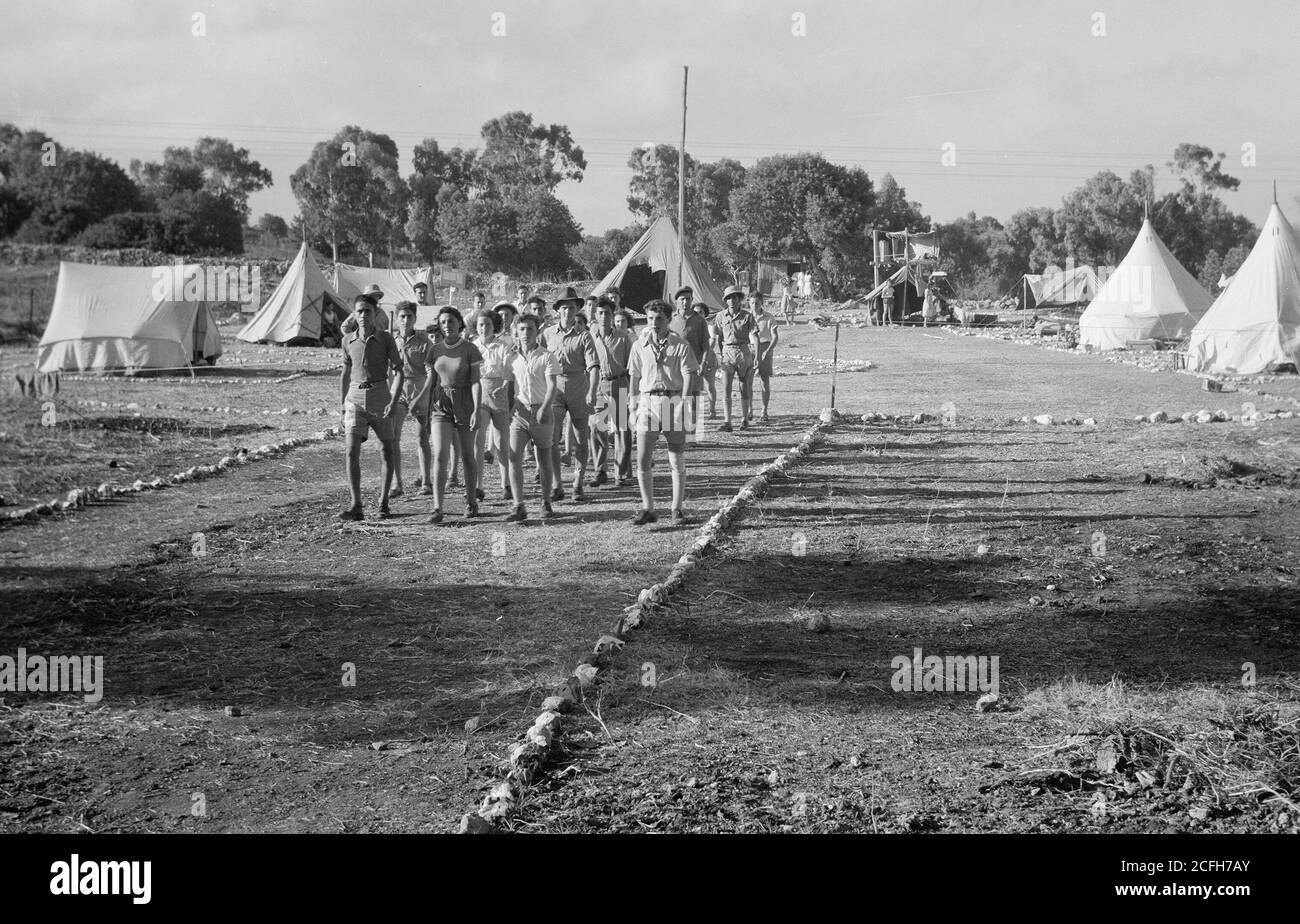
<point>649,270</point>
<point>397,284</point>
<point>129,318</point>
<point>1255,322</point>
<point>1076,285</point>
<point>302,309</point>
<point>1149,296</point>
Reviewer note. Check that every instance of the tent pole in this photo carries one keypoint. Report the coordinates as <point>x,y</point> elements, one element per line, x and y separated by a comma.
<point>681,182</point>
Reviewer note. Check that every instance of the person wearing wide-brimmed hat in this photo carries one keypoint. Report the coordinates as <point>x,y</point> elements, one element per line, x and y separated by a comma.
<point>737,333</point>
<point>378,319</point>
<point>578,384</point>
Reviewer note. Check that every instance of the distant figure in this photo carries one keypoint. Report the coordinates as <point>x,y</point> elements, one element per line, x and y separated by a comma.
<point>887,309</point>
<point>929,307</point>
<point>787,301</point>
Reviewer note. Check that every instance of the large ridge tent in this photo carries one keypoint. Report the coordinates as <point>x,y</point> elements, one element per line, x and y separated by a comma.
<point>1149,296</point>
<point>302,309</point>
<point>649,270</point>
<point>128,318</point>
<point>907,284</point>
<point>1255,322</point>
<point>398,285</point>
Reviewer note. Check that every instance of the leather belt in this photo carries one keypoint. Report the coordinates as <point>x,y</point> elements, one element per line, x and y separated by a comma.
<point>663,391</point>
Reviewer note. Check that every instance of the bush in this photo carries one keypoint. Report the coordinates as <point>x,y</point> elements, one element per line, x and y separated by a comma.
<point>125,229</point>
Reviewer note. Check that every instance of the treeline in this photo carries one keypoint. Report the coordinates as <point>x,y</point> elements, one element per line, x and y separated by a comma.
<point>1096,223</point>
<point>494,208</point>
<point>194,201</point>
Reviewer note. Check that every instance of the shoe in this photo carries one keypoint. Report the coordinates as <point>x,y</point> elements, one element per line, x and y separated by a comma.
<point>471,511</point>
<point>547,511</point>
<point>679,517</point>
<point>453,482</point>
<point>557,494</point>
<point>488,457</point>
<point>577,493</point>
<point>518,516</point>
<point>537,476</point>
<point>626,481</point>
<point>507,493</point>
<point>766,419</point>
<point>436,517</point>
<point>725,426</point>
<point>352,513</point>
<point>713,415</point>
<point>417,483</point>
<point>644,517</point>
<point>384,512</point>
<point>480,493</point>
<point>600,479</point>
<point>744,425</point>
<point>426,490</point>
<point>396,492</point>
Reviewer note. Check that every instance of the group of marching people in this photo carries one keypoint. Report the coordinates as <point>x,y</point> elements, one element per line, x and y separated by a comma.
<point>564,381</point>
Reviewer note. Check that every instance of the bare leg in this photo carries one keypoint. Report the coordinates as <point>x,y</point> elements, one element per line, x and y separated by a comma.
<point>645,479</point>
<point>677,463</point>
<point>389,450</point>
<point>465,438</point>
<point>425,452</point>
<point>443,442</point>
<point>353,468</point>
<point>727,376</point>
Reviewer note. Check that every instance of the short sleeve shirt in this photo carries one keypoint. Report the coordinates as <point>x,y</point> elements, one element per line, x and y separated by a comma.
<point>615,351</point>
<point>417,354</point>
<point>766,322</point>
<point>573,349</point>
<point>734,329</point>
<point>661,365</point>
<point>498,357</point>
<point>532,373</point>
<point>371,357</point>
<point>456,366</point>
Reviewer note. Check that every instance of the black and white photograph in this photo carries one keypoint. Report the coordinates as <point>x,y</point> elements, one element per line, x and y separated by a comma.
<point>690,418</point>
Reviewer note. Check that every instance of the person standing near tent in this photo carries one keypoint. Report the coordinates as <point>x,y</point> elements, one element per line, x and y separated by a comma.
<point>660,370</point>
<point>692,328</point>
<point>887,305</point>
<point>768,336</point>
<point>709,366</point>
<point>579,382</point>
<point>787,301</point>
<point>416,396</point>
<point>494,376</point>
<point>929,307</point>
<point>422,293</point>
<point>455,412</point>
<point>533,386</point>
<point>368,356</point>
<point>614,350</point>
<point>737,333</point>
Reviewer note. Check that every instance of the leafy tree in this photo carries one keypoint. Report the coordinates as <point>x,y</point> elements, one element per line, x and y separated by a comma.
<point>804,204</point>
<point>479,234</point>
<point>273,225</point>
<point>350,192</point>
<point>652,191</point>
<point>732,248</point>
<point>213,165</point>
<point>126,229</point>
<point>1035,242</point>
<point>893,211</point>
<point>1215,266</point>
<point>1192,220</point>
<point>434,170</point>
<point>200,223</point>
<point>519,156</point>
<point>68,196</point>
<point>546,230</point>
<point>974,251</point>
<point>590,254</point>
<point>1099,219</point>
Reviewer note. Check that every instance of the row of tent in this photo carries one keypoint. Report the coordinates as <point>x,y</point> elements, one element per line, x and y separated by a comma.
<point>107,318</point>
<point>1252,326</point>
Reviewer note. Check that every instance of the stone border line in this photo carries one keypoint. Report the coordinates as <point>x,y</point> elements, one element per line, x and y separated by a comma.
<point>81,497</point>
<point>529,755</point>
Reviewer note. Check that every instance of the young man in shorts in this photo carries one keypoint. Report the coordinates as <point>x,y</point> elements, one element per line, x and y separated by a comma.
<point>579,381</point>
<point>709,365</point>
<point>611,425</point>
<point>768,337</point>
<point>534,374</point>
<point>661,370</point>
<point>416,395</point>
<point>369,354</point>
<point>737,336</point>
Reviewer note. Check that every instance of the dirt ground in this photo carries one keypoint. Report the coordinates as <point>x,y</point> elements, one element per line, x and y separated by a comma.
<point>971,533</point>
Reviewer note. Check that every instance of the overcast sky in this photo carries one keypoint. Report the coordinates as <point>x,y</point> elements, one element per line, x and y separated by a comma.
<point>1032,100</point>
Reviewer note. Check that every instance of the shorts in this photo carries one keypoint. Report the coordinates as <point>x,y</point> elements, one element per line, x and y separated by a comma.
<point>571,398</point>
<point>764,362</point>
<point>524,420</point>
<point>668,414</point>
<point>499,420</point>
<point>611,406</point>
<point>404,408</point>
<point>364,411</point>
<point>496,394</point>
<point>738,359</point>
<point>453,405</point>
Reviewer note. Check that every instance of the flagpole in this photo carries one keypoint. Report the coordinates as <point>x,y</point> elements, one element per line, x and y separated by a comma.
<point>681,183</point>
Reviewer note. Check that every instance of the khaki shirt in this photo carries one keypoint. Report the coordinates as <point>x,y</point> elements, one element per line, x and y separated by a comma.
<point>417,354</point>
<point>615,352</point>
<point>661,366</point>
<point>573,349</point>
<point>532,374</point>
<point>734,329</point>
<point>369,359</point>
